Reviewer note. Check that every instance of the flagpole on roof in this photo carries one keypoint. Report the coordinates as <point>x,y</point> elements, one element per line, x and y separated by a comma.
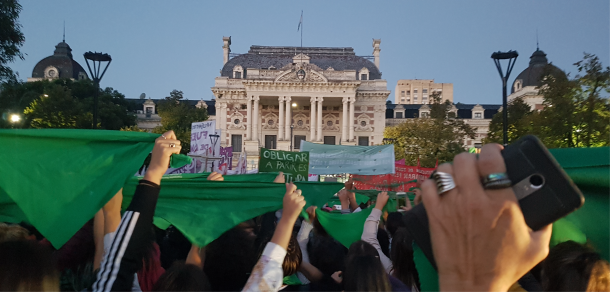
<point>300,28</point>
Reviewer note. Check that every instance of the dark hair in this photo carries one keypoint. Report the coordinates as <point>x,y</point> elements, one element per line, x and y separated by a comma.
<point>384,241</point>
<point>326,254</point>
<point>174,247</point>
<point>571,266</point>
<point>293,258</point>
<point>365,273</point>
<point>27,266</point>
<point>230,260</point>
<point>183,277</point>
<point>362,248</point>
<point>402,258</point>
<point>394,222</point>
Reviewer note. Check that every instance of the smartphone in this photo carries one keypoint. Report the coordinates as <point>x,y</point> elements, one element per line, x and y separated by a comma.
<point>544,191</point>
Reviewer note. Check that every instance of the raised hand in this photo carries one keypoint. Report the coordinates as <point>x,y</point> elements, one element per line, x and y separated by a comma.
<point>311,211</point>
<point>280,178</point>
<point>215,176</point>
<point>165,146</point>
<point>293,202</point>
<point>478,235</point>
<point>382,200</point>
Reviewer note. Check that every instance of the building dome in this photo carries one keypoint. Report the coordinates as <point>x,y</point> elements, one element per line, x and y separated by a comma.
<point>531,75</point>
<point>59,65</point>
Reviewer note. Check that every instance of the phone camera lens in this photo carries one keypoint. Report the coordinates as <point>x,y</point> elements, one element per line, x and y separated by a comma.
<point>536,180</point>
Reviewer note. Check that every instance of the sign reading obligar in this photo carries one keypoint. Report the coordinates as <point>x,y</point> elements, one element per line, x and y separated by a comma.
<point>295,165</point>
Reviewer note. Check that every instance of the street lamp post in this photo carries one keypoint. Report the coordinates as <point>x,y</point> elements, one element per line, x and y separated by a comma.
<point>291,138</point>
<point>511,56</point>
<point>97,59</point>
<point>214,139</point>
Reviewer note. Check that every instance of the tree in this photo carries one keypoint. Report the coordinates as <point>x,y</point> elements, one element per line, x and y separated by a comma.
<point>11,37</point>
<point>58,109</point>
<point>574,113</point>
<point>178,116</point>
<point>47,101</point>
<point>520,122</point>
<point>439,137</point>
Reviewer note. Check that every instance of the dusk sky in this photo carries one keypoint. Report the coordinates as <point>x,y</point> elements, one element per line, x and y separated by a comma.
<point>158,46</point>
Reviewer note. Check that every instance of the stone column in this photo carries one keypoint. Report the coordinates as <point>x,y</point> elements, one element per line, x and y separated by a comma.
<point>351,119</point>
<point>319,123</point>
<point>312,119</point>
<point>255,119</point>
<point>288,118</point>
<point>222,122</point>
<point>249,117</point>
<point>344,122</point>
<point>280,126</point>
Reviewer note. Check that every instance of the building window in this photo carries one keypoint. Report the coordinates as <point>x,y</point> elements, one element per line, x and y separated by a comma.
<point>363,141</point>
<point>402,93</point>
<point>414,91</point>
<point>402,99</point>
<point>478,116</point>
<point>238,72</point>
<point>329,140</point>
<point>364,77</point>
<point>270,141</point>
<point>236,121</point>
<point>425,91</point>
<point>237,75</point>
<point>363,123</point>
<point>415,97</point>
<point>424,114</point>
<point>408,92</point>
<point>399,115</point>
<point>297,141</point>
<point>149,112</point>
<point>236,143</point>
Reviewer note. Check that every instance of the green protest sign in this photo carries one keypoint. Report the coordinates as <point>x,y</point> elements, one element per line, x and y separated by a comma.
<point>295,165</point>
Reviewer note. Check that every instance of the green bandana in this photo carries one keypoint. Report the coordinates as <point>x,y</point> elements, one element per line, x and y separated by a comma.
<point>57,179</point>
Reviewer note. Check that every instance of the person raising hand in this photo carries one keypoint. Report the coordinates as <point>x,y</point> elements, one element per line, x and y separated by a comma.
<point>123,257</point>
<point>268,274</point>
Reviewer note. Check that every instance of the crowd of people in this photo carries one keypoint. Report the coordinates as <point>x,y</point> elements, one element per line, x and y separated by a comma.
<point>479,239</point>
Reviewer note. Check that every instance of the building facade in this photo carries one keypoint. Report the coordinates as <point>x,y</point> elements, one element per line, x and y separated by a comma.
<point>527,82</point>
<point>477,116</point>
<point>416,91</point>
<point>276,97</point>
<point>59,65</point>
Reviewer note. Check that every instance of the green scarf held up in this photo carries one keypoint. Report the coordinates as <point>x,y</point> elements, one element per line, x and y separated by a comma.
<point>57,179</point>
<point>203,210</point>
<point>345,228</point>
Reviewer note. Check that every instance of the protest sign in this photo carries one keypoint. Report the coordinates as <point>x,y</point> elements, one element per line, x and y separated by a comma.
<point>226,160</point>
<point>201,144</point>
<point>364,160</point>
<point>293,164</point>
<point>401,181</point>
<point>242,165</point>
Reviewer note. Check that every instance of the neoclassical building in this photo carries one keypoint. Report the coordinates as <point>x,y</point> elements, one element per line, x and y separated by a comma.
<point>527,82</point>
<point>276,97</point>
<point>476,115</point>
<point>59,65</point>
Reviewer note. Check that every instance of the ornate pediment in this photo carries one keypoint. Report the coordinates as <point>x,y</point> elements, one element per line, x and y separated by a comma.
<point>300,122</point>
<point>301,72</point>
<point>237,121</point>
<point>271,121</point>
<point>364,123</point>
<point>329,123</point>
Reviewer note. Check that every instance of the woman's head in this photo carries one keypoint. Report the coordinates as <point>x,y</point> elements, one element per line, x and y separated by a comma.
<point>393,222</point>
<point>230,260</point>
<point>365,273</point>
<point>326,254</point>
<point>183,277</point>
<point>571,266</point>
<point>362,248</point>
<point>402,258</point>
<point>27,266</point>
<point>12,232</point>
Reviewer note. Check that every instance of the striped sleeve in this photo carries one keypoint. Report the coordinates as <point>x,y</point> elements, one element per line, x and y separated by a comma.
<point>121,258</point>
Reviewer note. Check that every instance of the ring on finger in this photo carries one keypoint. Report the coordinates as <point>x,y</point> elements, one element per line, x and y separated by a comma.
<point>496,181</point>
<point>172,145</point>
<point>444,181</point>
<point>164,137</point>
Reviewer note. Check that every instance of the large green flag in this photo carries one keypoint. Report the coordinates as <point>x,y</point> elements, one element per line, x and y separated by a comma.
<point>59,178</point>
<point>203,210</point>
